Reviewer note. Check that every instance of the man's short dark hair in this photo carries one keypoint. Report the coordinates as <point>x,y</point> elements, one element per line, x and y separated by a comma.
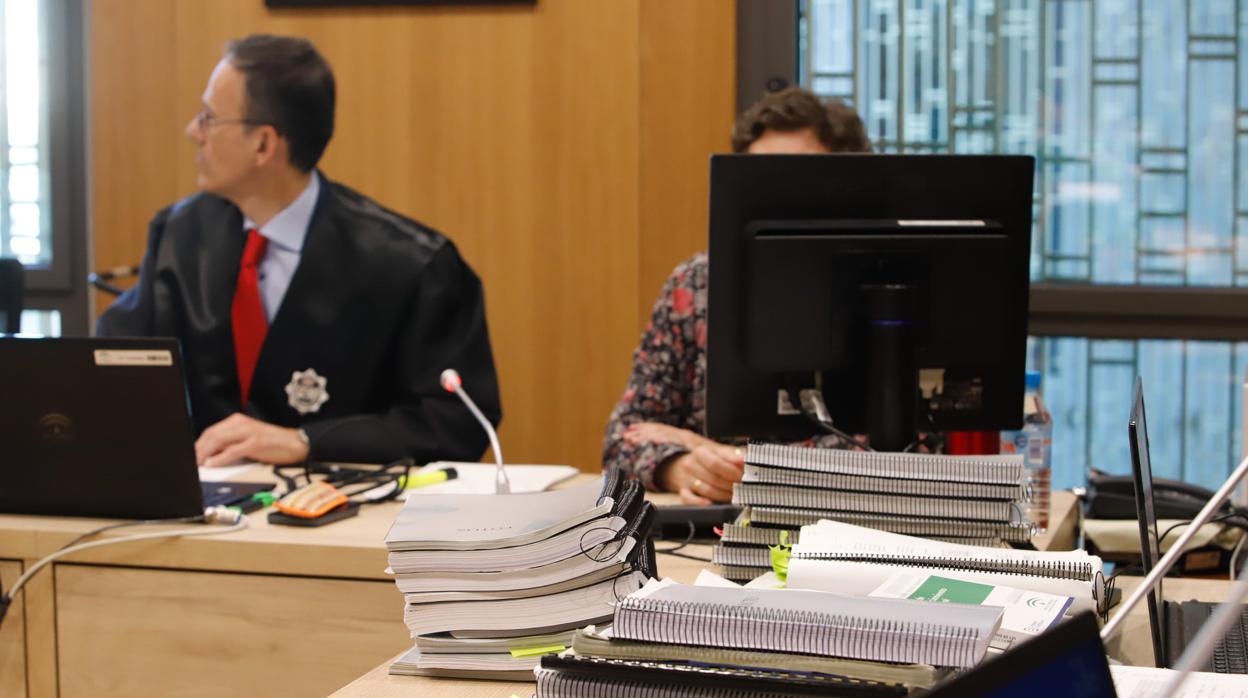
<point>835,123</point>
<point>290,87</point>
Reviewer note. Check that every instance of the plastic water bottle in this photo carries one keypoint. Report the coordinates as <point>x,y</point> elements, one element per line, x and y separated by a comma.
<point>1035,442</point>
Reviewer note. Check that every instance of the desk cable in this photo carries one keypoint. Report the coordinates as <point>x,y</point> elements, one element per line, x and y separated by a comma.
<point>232,519</point>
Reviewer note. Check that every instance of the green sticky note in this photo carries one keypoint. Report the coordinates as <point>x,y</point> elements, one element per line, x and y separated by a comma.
<point>533,651</point>
<point>780,561</point>
<point>945,590</point>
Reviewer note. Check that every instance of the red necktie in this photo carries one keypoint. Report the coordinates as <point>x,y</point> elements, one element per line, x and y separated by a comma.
<point>247,313</point>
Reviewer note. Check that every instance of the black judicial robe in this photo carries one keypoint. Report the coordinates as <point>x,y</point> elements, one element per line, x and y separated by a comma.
<point>378,306</point>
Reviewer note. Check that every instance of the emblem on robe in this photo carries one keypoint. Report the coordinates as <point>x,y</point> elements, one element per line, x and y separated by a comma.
<point>306,391</point>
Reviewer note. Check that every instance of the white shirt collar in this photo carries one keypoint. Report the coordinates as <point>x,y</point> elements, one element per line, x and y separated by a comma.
<point>289,227</point>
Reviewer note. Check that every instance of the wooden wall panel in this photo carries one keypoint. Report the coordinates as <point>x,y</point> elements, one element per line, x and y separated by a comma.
<point>517,131</point>
<point>687,107</point>
<point>12,638</point>
<point>133,156</point>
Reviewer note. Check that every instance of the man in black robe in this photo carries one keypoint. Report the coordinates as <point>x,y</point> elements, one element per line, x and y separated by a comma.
<point>314,323</point>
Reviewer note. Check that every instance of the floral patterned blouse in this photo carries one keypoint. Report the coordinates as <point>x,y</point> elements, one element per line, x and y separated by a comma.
<point>668,382</point>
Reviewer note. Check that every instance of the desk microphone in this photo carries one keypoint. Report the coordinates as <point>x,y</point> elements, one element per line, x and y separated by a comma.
<point>453,384</point>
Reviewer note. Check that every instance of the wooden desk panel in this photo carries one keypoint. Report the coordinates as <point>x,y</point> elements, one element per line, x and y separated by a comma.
<point>12,638</point>
<point>192,604</point>
<point>206,633</point>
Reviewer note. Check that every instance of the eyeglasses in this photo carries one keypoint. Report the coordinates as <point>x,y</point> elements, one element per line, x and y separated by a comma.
<point>205,121</point>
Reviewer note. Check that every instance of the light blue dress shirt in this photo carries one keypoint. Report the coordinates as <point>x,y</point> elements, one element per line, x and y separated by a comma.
<point>286,233</point>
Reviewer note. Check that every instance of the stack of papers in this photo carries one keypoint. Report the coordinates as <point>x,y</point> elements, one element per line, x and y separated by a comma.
<point>841,557</point>
<point>966,499</point>
<point>757,640</point>
<point>492,582</point>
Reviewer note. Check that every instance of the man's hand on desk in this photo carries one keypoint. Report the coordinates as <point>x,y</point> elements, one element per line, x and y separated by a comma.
<point>241,438</point>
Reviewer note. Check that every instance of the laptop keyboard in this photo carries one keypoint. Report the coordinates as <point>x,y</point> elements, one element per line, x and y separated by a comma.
<point>226,494</point>
<point>1230,656</point>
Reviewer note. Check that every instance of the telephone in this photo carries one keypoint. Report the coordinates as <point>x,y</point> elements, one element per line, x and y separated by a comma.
<point>1113,497</point>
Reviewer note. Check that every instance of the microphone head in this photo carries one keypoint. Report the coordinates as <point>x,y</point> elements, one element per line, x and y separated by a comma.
<point>450,380</point>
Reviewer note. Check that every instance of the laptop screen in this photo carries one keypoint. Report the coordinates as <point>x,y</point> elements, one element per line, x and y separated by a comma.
<point>99,427</point>
<point>1146,514</point>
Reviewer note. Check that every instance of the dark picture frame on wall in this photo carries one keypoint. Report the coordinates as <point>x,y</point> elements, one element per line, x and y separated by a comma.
<point>378,3</point>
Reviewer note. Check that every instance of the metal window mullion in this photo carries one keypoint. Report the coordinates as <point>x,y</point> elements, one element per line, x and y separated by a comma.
<point>998,74</point>
<point>854,68</point>
<point>1091,247</point>
<point>1042,141</point>
<point>951,87</point>
<point>1235,203</point>
<point>901,76</point>
<point>1187,141</point>
<point>1139,135</point>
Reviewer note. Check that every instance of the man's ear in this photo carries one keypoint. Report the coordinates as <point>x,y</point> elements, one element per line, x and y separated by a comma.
<point>268,145</point>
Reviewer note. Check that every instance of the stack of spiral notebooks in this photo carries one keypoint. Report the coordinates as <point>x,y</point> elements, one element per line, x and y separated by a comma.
<point>727,642</point>
<point>974,500</point>
<point>493,581</point>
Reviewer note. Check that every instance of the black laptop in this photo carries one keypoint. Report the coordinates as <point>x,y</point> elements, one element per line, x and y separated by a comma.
<point>1174,625</point>
<point>100,427</point>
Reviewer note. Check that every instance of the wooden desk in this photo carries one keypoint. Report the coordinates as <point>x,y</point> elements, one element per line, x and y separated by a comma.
<point>378,683</point>
<point>271,608</point>
<point>310,609</point>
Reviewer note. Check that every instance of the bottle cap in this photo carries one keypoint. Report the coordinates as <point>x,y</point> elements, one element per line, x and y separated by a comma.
<point>1033,380</point>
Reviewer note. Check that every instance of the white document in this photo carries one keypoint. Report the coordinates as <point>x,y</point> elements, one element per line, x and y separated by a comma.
<point>1148,682</point>
<point>707,578</point>
<point>233,472</point>
<point>1027,613</point>
<point>835,536</point>
<point>478,478</point>
<point>480,521</point>
<point>856,577</point>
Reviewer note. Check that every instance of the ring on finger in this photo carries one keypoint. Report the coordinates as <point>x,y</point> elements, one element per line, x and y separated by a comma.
<point>697,485</point>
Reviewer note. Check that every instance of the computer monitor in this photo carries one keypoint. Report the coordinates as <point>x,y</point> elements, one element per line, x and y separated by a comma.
<point>1146,514</point>
<point>866,278</point>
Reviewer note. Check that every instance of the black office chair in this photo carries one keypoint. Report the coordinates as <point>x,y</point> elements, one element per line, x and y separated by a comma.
<point>12,286</point>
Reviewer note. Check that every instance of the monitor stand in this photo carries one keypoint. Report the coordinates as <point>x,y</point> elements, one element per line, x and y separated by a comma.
<point>893,371</point>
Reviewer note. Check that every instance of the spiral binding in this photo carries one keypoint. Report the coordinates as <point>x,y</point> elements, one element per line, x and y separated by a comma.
<point>635,678</point>
<point>927,527</point>
<point>1051,569</point>
<point>929,507</point>
<point>770,475</point>
<point>1002,470</point>
<point>741,556</point>
<point>788,630</point>
<point>755,535</point>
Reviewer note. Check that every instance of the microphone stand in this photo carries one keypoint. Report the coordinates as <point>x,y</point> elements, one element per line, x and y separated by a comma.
<point>451,382</point>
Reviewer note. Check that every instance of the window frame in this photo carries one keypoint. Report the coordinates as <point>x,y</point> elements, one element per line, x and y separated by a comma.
<point>767,57</point>
<point>61,286</point>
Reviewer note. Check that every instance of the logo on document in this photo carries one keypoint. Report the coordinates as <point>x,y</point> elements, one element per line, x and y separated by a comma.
<point>306,391</point>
